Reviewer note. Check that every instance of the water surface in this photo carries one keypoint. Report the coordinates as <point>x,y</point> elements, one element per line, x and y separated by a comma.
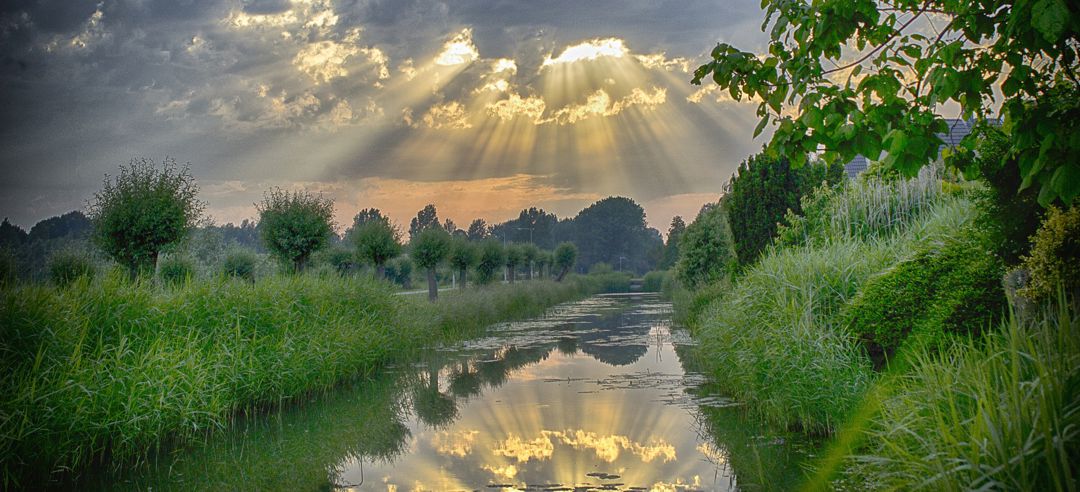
<point>596,395</point>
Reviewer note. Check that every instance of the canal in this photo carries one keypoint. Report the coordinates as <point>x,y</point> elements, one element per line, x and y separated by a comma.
<point>599,394</point>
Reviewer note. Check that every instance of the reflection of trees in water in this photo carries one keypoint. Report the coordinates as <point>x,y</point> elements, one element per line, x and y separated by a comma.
<point>300,447</point>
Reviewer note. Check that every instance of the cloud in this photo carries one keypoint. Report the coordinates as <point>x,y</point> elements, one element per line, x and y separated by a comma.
<point>451,115</point>
<point>514,105</point>
<point>589,50</point>
<point>459,443</point>
<point>458,50</point>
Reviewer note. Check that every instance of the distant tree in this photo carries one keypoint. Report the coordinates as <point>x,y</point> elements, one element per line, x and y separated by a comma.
<point>671,249</point>
<point>706,251</point>
<point>611,228</point>
<point>515,255</point>
<point>565,257</point>
<point>531,225</point>
<point>530,253</point>
<point>429,248</point>
<point>377,241</point>
<point>145,210</point>
<point>295,225</point>
<point>362,218</point>
<point>463,255</point>
<point>492,259</point>
<point>11,235</point>
<point>759,194</point>
<point>72,224</point>
<point>425,218</point>
<point>478,230</point>
<point>450,226</point>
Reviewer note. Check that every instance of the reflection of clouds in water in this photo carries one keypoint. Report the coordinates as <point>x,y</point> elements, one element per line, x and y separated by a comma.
<point>459,443</point>
<point>606,447</point>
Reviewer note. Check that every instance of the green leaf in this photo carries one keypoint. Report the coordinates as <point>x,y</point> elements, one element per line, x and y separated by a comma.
<point>1066,182</point>
<point>761,126</point>
<point>1050,17</point>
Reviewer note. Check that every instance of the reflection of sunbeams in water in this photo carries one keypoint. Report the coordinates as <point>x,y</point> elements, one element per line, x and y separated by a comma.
<point>521,406</point>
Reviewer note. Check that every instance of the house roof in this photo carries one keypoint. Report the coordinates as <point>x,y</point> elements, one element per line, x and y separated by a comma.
<point>958,129</point>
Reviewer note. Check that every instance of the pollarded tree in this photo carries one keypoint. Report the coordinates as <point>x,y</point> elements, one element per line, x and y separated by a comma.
<point>377,241</point>
<point>429,249</point>
<point>295,225</point>
<point>463,255</point>
<point>543,263</point>
<point>515,255</point>
<point>492,258</point>
<point>530,254</point>
<point>887,98</point>
<point>565,257</point>
<point>145,210</point>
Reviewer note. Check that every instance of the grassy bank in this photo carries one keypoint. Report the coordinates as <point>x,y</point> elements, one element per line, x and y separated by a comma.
<point>101,372</point>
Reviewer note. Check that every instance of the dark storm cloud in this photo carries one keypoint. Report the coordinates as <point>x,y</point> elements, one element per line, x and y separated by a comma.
<point>286,90</point>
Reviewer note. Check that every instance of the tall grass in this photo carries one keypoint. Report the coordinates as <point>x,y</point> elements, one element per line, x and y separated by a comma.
<point>997,413</point>
<point>100,372</point>
<point>773,338</point>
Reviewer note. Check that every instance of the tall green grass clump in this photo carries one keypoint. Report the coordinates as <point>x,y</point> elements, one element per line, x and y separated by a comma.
<point>67,266</point>
<point>240,263</point>
<point>774,338</point>
<point>654,280</point>
<point>1001,412</point>
<point>176,270</point>
<point>101,372</point>
<point>465,311</point>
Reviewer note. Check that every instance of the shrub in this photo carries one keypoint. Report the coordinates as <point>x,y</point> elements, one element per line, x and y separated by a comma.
<point>240,263</point>
<point>144,210</point>
<point>399,271</point>
<point>66,266</point>
<point>295,225</point>
<point>601,267</point>
<point>654,281</point>
<point>342,260</point>
<point>944,290</point>
<point>1054,259</point>
<point>706,251</point>
<point>175,270</point>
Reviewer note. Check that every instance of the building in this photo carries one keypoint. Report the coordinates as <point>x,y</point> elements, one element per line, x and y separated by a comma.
<point>958,129</point>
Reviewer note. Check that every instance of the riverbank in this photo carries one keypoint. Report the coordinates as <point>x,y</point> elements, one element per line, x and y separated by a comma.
<point>861,320</point>
<point>101,372</point>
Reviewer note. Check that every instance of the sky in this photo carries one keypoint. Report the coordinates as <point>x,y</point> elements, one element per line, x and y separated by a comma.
<point>482,107</point>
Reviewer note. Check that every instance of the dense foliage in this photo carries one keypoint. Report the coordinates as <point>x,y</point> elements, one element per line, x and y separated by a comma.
<point>143,211</point>
<point>671,247</point>
<point>565,257</point>
<point>1054,261</point>
<point>175,270</point>
<point>428,250</point>
<point>946,289</point>
<point>67,266</point>
<point>464,255</point>
<point>612,228</point>
<point>864,77</point>
<point>426,218</point>
<point>295,225</point>
<point>492,258</point>
<point>759,194</point>
<point>707,252</point>
<point>377,241</point>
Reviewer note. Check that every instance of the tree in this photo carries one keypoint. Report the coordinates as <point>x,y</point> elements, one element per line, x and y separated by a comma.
<point>543,263</point>
<point>530,253</point>
<point>492,258</point>
<point>295,225</point>
<point>706,250</point>
<point>429,249</point>
<point>887,98</point>
<point>759,194</point>
<point>425,218</point>
<point>11,235</point>
<point>671,249</point>
<point>145,210</point>
<point>533,225</point>
<point>478,230</point>
<point>515,255</point>
<point>377,241</point>
<point>71,224</point>
<point>463,255</point>
<point>611,228</point>
<point>565,257</point>
<point>450,226</point>
<point>361,219</point>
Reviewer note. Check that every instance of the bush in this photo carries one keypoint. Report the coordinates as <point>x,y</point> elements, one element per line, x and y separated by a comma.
<point>998,413</point>
<point>945,290</point>
<point>399,271</point>
<point>240,263</point>
<point>342,260</point>
<point>295,225</point>
<point>66,266</point>
<point>706,252</point>
<point>1054,259</point>
<point>143,211</point>
<point>600,268</point>
<point>175,270</point>
<point>761,192</point>
<point>654,281</point>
